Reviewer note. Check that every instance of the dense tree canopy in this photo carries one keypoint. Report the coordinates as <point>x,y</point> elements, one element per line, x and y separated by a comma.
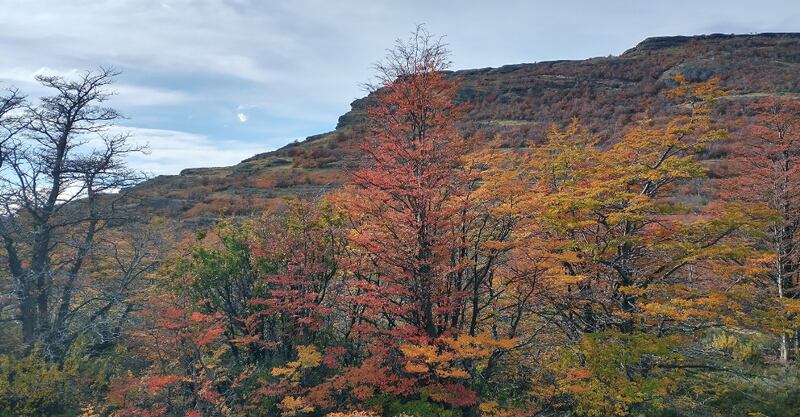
<point>451,275</point>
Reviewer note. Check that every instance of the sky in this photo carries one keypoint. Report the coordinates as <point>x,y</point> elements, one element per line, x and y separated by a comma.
<point>211,82</point>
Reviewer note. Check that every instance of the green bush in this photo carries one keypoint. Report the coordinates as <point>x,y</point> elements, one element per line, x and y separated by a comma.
<point>32,387</point>
<point>422,407</point>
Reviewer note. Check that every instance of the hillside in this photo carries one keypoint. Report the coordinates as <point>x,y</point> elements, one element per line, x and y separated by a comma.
<point>615,236</point>
<point>513,102</point>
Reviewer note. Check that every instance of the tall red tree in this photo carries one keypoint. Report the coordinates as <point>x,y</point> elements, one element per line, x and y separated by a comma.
<point>409,206</point>
<point>401,202</point>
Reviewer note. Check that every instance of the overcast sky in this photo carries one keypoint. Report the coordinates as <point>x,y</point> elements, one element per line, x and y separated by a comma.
<point>211,82</point>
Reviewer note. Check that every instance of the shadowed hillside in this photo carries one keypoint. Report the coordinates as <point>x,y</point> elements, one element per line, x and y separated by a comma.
<point>515,103</point>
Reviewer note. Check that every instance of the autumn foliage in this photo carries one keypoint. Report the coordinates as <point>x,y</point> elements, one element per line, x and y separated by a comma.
<point>455,275</point>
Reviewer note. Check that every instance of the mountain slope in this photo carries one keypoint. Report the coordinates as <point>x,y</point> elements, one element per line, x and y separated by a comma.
<point>515,103</point>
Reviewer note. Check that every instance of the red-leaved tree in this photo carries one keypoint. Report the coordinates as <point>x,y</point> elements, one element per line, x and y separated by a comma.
<point>406,207</point>
<point>402,201</point>
<point>766,172</point>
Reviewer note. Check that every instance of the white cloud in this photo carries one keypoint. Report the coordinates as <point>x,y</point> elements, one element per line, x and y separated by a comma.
<point>126,94</point>
<point>242,117</point>
<point>138,95</point>
<point>25,76</point>
<point>301,61</point>
<point>171,151</point>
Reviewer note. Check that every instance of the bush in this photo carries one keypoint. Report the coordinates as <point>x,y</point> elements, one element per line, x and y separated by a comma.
<point>32,387</point>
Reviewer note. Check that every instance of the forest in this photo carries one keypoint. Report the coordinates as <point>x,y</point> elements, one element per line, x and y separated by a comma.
<point>450,275</point>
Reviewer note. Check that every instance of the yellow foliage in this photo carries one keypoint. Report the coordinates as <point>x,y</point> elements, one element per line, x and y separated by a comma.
<point>88,411</point>
<point>287,371</point>
<point>360,414</point>
<point>308,356</point>
<point>416,368</point>
<point>452,373</point>
<point>427,352</point>
<point>293,406</point>
<point>477,347</point>
<point>567,279</point>
<point>791,305</point>
<point>493,409</point>
<point>631,290</point>
<point>445,359</point>
<point>731,345</point>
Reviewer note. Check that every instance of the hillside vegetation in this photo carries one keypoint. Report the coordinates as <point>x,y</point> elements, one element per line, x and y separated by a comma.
<point>610,237</point>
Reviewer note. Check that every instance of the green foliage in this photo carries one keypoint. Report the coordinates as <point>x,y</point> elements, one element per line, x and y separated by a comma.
<point>421,407</point>
<point>747,391</point>
<point>222,265</point>
<point>612,373</point>
<point>32,387</point>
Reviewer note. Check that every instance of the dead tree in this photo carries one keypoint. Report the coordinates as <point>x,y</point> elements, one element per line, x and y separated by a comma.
<point>11,103</point>
<point>59,190</point>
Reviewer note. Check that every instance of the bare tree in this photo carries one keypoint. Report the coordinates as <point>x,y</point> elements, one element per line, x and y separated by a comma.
<point>422,52</point>
<point>11,102</point>
<point>57,193</point>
